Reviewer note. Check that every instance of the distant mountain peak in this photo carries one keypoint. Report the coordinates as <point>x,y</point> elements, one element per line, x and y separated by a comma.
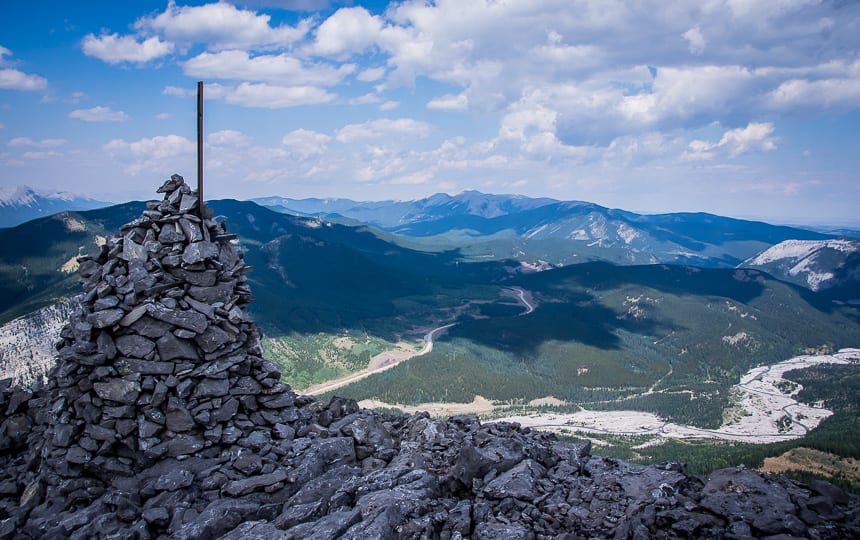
<point>23,203</point>
<point>802,249</point>
<point>17,196</point>
<point>817,264</point>
<point>23,195</point>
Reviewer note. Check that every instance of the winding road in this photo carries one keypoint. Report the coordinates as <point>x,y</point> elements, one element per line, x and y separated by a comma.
<point>389,359</point>
<point>521,298</point>
<point>379,363</point>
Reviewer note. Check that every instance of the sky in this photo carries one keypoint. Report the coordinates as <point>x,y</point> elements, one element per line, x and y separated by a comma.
<point>744,108</point>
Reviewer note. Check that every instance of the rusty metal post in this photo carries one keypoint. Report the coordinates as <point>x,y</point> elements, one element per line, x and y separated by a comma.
<point>200,148</point>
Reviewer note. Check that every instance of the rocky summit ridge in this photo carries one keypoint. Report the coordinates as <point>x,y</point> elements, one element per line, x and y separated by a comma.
<point>162,419</point>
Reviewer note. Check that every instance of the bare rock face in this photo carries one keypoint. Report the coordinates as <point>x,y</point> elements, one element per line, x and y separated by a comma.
<point>161,419</point>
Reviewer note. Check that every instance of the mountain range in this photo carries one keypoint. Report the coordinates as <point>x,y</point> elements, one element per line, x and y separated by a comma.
<point>22,203</point>
<point>546,231</point>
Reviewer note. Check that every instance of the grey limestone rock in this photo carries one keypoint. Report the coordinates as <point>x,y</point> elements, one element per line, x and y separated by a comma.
<point>746,495</point>
<point>222,292</point>
<point>254,483</point>
<point>170,234</point>
<point>134,345</point>
<point>127,366</point>
<point>382,525</point>
<point>105,317</point>
<point>502,531</point>
<point>297,513</point>
<point>330,527</point>
<point>199,252</point>
<point>172,184</point>
<point>133,316</point>
<point>191,320</point>
<point>106,303</point>
<point>171,347</point>
<point>257,530</point>
<point>174,480</point>
<point>132,251</point>
<point>188,202</point>
<point>519,482</point>
<point>219,517</point>
<point>119,390</point>
<point>106,345</point>
<point>179,420</point>
<point>183,444</point>
<point>209,388</point>
<point>499,455</point>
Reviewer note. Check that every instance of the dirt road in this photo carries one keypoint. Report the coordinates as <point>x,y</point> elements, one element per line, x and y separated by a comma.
<point>379,363</point>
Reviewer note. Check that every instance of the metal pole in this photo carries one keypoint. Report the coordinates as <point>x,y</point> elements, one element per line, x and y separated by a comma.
<point>200,148</point>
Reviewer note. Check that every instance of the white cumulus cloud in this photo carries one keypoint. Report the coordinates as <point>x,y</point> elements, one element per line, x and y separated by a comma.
<point>13,79</point>
<point>259,95</point>
<point>44,143</point>
<point>449,102</point>
<point>756,136</point>
<point>280,68</point>
<point>115,49</point>
<point>347,31</point>
<point>371,74</point>
<point>41,154</point>
<point>269,96</point>
<point>382,127</point>
<point>221,26</point>
<point>99,114</point>
<point>695,39</point>
<point>305,142</point>
<point>152,155</point>
<point>841,93</point>
<point>229,137</point>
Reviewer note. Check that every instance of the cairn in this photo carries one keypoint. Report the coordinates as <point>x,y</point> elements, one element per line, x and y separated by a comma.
<point>162,358</point>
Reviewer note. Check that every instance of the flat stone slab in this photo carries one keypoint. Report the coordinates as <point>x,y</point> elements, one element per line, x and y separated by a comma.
<point>105,317</point>
<point>191,320</point>
<point>199,252</point>
<point>144,367</point>
<point>135,346</point>
<point>118,390</point>
<point>171,347</point>
<point>249,485</point>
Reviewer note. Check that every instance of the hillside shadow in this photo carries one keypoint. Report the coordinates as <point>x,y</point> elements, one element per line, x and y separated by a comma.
<point>739,285</point>
<point>695,231</point>
<point>582,319</point>
<point>579,315</point>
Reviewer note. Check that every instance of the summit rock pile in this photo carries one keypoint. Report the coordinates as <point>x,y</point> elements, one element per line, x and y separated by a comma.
<point>162,419</point>
<point>162,358</point>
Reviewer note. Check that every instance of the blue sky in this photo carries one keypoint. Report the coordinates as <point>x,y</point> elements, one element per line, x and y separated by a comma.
<point>736,107</point>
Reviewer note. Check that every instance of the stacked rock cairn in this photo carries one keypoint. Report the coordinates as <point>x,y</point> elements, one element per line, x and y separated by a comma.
<point>162,419</point>
<point>162,359</point>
